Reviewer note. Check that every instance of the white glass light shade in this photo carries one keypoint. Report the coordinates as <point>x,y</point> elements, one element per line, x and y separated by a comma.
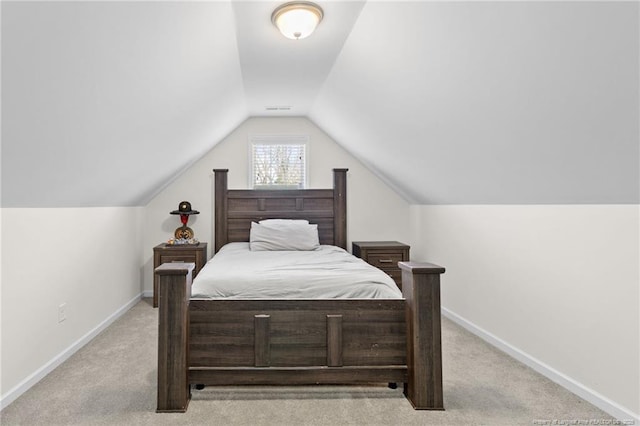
<point>297,20</point>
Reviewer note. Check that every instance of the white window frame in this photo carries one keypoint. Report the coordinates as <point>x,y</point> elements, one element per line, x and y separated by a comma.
<point>278,140</point>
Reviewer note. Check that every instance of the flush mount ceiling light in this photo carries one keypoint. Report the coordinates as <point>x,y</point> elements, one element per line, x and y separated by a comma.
<point>297,19</point>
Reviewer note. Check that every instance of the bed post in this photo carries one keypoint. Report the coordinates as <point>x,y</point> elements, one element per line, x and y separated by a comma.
<point>220,189</point>
<point>340,207</point>
<point>421,290</point>
<point>173,336</point>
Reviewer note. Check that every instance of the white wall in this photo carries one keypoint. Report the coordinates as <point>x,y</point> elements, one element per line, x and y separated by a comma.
<point>88,258</point>
<point>557,286</point>
<point>374,211</point>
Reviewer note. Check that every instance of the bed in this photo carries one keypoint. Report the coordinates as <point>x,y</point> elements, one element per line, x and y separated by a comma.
<point>290,341</point>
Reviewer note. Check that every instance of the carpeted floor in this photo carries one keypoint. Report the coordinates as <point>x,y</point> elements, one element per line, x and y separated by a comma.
<point>111,381</point>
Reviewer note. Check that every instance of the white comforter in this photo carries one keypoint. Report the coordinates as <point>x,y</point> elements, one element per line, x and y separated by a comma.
<point>328,272</point>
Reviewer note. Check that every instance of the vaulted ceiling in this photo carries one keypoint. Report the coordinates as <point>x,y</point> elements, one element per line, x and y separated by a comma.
<point>104,103</point>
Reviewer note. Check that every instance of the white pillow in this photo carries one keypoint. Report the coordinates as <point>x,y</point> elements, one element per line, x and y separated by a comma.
<point>291,236</point>
<point>283,221</point>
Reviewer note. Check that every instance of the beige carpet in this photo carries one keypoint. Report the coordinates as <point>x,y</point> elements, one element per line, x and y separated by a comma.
<point>111,381</point>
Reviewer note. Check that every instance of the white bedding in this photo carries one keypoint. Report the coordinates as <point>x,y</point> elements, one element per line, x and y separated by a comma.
<point>328,272</point>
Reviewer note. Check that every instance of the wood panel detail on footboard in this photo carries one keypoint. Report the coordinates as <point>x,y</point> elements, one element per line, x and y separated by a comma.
<point>297,341</point>
<point>294,341</point>
<point>226,333</point>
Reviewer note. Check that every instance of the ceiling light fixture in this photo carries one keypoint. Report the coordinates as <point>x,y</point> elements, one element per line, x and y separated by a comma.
<point>297,19</point>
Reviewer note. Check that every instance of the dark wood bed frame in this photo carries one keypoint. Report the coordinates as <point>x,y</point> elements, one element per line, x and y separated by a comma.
<point>287,342</point>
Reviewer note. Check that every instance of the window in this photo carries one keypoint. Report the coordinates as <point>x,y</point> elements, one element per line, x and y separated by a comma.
<point>279,162</point>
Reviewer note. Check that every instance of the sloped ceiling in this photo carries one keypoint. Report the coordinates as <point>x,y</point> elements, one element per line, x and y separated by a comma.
<point>496,103</point>
<point>104,103</point>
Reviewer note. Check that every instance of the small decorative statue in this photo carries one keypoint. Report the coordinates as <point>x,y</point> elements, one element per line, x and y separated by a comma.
<point>184,234</point>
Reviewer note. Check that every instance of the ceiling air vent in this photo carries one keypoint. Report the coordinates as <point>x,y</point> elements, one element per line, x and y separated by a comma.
<point>278,108</point>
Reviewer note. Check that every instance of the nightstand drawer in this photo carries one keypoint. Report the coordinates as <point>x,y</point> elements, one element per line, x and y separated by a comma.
<point>396,274</point>
<point>177,258</point>
<point>384,255</point>
<point>168,253</point>
<point>385,260</point>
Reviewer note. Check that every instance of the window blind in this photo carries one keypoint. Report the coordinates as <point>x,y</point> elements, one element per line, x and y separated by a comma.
<point>278,163</point>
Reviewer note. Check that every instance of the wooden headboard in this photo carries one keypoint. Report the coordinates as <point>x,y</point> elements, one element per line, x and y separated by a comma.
<point>236,209</point>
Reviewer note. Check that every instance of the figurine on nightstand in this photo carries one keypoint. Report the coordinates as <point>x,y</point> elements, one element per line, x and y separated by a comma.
<point>184,234</point>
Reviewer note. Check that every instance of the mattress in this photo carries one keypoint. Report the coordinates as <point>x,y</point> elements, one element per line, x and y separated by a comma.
<point>328,272</point>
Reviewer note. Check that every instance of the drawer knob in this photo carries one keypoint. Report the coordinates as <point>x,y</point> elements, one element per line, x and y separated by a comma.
<point>385,260</point>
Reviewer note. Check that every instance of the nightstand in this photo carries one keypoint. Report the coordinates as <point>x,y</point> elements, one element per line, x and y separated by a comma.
<point>166,253</point>
<point>384,255</point>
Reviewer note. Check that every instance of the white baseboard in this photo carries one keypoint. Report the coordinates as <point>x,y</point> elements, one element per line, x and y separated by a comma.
<point>621,413</point>
<point>39,374</point>
<point>147,293</point>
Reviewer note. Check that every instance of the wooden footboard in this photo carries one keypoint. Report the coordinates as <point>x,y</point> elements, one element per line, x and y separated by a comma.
<point>297,341</point>
<point>225,342</point>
